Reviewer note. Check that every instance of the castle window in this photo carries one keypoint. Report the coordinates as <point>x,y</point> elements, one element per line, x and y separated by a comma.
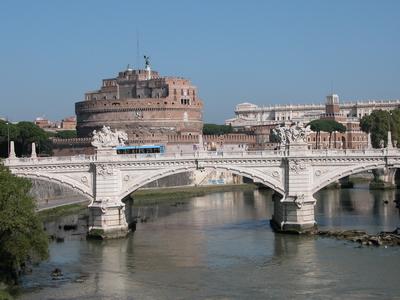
<point>185,101</point>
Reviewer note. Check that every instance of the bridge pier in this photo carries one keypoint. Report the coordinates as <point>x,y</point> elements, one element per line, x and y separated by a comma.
<point>384,178</point>
<point>107,220</point>
<point>385,174</point>
<point>293,213</point>
<point>108,217</point>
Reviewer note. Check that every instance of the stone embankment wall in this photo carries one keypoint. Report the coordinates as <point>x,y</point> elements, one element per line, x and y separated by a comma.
<point>42,190</point>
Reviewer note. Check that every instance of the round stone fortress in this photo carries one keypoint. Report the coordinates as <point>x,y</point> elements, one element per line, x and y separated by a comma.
<point>143,104</point>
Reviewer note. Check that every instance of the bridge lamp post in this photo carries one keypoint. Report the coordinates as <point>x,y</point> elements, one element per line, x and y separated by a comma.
<point>8,139</point>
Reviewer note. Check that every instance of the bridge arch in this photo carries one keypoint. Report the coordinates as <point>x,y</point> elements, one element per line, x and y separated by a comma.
<point>150,176</point>
<point>344,171</point>
<point>61,180</point>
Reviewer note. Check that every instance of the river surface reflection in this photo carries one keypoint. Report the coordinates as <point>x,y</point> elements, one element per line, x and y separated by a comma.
<point>221,246</point>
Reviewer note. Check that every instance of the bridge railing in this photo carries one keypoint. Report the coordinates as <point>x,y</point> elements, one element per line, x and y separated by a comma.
<point>354,152</point>
<point>190,155</point>
<point>81,158</point>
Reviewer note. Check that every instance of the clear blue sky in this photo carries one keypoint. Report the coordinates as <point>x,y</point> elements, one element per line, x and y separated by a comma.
<point>263,52</point>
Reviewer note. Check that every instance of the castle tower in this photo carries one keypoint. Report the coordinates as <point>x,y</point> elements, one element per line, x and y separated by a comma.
<point>143,104</point>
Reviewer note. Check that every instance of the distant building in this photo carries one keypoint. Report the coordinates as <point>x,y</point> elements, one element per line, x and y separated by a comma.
<point>143,104</point>
<point>260,120</point>
<point>69,123</point>
<point>42,123</point>
<point>248,115</point>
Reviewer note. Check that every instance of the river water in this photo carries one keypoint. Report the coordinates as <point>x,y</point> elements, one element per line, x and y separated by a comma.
<point>220,246</point>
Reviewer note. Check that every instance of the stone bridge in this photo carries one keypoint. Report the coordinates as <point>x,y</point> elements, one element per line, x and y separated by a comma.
<point>295,173</point>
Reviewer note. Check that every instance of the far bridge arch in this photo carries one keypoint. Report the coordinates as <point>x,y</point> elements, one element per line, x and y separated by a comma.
<point>136,182</point>
<point>344,171</point>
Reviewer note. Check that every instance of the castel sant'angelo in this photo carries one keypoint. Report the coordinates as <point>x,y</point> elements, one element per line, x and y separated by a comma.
<point>143,104</point>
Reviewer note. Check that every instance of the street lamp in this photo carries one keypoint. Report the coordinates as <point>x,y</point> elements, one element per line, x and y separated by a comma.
<point>8,139</point>
<point>389,133</point>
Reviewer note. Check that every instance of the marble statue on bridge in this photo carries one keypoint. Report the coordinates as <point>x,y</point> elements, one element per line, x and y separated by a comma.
<point>106,138</point>
<point>287,135</point>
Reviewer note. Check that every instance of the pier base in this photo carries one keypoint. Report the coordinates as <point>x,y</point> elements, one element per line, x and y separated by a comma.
<point>108,220</point>
<point>293,214</point>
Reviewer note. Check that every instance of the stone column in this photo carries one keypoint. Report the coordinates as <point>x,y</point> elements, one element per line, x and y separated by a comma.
<point>33,153</point>
<point>12,151</point>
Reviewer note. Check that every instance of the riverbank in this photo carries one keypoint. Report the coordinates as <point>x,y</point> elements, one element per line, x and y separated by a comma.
<point>61,211</point>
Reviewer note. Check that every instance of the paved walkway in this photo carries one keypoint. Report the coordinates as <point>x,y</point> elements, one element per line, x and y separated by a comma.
<point>52,203</point>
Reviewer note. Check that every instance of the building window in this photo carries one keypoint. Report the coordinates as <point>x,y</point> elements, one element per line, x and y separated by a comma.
<point>185,101</point>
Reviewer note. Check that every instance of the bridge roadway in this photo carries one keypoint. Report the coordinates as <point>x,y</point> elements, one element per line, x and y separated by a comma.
<point>295,174</point>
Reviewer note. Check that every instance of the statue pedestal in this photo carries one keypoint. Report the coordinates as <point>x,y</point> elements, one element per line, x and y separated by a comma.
<point>110,152</point>
<point>298,148</point>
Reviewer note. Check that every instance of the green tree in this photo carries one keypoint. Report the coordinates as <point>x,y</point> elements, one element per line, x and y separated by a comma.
<point>378,123</point>
<point>21,231</point>
<point>30,133</point>
<point>326,125</point>
<point>66,134</point>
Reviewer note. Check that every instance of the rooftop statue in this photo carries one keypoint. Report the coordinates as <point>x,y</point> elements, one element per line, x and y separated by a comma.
<point>147,59</point>
<point>106,138</point>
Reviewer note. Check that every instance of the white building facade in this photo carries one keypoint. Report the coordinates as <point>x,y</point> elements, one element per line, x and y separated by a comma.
<point>248,114</point>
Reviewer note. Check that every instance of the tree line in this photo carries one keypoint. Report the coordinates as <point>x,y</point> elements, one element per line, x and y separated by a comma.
<point>24,134</point>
